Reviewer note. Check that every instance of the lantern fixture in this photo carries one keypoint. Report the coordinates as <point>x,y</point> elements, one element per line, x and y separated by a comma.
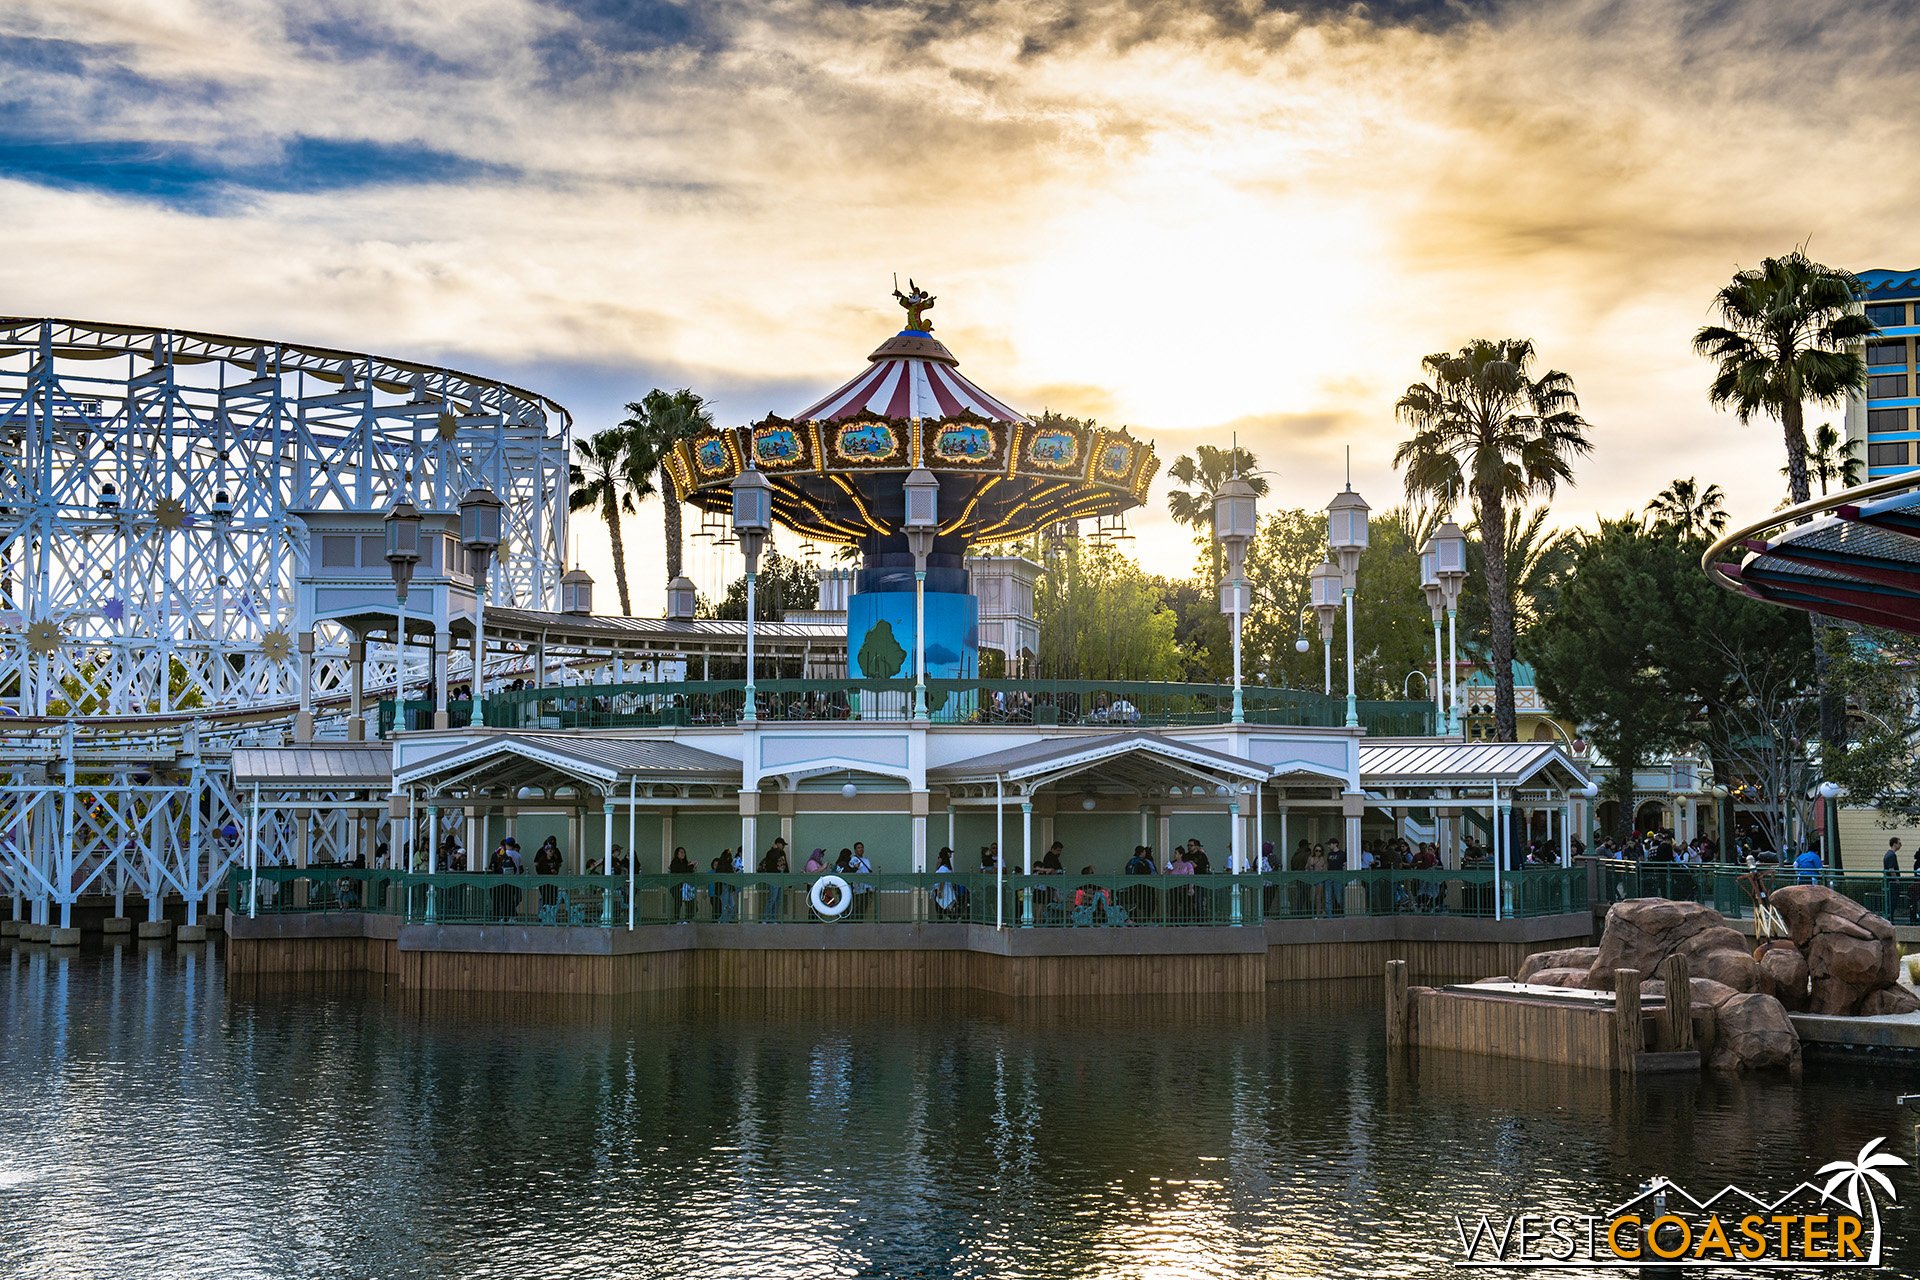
<point>576,592</point>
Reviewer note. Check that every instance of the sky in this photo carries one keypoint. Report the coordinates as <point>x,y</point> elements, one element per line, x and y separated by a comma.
<point>1205,220</point>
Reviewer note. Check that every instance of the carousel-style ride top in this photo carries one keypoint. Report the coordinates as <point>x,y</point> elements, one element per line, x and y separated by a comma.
<point>912,463</point>
<point>837,466</point>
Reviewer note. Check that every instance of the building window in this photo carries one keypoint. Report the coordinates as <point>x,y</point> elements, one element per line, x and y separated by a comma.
<point>1887,386</point>
<point>1887,455</point>
<point>1888,313</point>
<point>1887,352</point>
<point>1879,420</point>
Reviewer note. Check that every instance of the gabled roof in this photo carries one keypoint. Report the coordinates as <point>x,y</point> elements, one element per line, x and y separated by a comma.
<point>601,762</point>
<point>314,767</point>
<point>1454,764</point>
<point>1040,762</point>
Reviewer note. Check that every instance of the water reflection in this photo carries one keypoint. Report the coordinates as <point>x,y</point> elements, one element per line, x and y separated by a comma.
<point>323,1129</point>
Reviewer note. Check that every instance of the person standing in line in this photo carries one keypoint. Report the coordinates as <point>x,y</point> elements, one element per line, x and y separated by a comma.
<point>862,889</point>
<point>774,864</point>
<point>685,893</point>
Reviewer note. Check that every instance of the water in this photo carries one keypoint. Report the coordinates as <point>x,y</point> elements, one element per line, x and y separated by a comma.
<point>153,1123</point>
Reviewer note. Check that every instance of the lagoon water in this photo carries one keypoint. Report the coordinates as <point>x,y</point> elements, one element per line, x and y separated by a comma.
<point>154,1123</point>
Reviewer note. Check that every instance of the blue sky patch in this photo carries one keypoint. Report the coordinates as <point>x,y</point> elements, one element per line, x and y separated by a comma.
<point>203,181</point>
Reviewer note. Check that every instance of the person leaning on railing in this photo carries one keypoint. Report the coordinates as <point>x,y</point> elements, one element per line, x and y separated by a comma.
<point>686,895</point>
<point>947,897</point>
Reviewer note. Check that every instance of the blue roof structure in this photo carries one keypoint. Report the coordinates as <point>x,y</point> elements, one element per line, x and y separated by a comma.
<point>1881,283</point>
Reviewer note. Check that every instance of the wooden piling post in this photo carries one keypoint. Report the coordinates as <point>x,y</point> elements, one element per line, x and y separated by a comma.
<point>1399,1010</point>
<point>1677,1020</point>
<point>1628,1037</point>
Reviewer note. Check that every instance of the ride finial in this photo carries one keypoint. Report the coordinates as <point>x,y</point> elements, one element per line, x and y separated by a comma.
<point>917,302</point>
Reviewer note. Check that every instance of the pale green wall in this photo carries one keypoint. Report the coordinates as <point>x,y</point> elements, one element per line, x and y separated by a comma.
<point>888,837</point>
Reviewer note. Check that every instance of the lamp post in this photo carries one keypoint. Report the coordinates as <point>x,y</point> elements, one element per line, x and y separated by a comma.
<point>1325,585</point>
<point>752,521</point>
<point>480,535</point>
<point>1347,535</point>
<point>403,553</point>
<point>922,522</point>
<point>1830,793</point>
<point>1235,519</point>
<point>1450,568</point>
<point>1436,604</point>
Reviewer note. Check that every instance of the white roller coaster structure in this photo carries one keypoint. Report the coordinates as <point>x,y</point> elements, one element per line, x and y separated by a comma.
<point>150,486</point>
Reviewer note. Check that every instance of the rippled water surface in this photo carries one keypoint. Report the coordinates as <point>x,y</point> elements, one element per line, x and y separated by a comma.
<point>152,1122</point>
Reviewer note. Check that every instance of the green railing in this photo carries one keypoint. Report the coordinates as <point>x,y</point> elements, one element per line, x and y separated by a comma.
<point>1723,887</point>
<point>1472,891</point>
<point>1117,703</point>
<point>1037,901</point>
<point>292,890</point>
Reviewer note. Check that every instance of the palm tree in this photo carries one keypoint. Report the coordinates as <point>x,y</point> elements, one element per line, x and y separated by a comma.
<point>1539,564</point>
<point>1200,475</point>
<point>1832,459</point>
<point>1687,509</point>
<point>654,424</point>
<point>1484,429</point>
<point>1789,335</point>
<point>601,478</point>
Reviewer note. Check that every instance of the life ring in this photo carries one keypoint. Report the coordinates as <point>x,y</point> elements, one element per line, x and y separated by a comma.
<point>840,906</point>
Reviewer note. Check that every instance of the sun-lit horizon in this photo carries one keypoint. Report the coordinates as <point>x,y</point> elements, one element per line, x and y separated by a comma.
<point>1201,223</point>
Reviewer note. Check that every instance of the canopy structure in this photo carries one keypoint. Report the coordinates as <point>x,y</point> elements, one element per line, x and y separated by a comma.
<point>545,763</point>
<point>1469,766</point>
<point>836,466</point>
<point>1853,555</point>
<point>1141,763</point>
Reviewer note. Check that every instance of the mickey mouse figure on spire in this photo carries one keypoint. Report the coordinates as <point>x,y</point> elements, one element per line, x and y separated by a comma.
<point>917,302</point>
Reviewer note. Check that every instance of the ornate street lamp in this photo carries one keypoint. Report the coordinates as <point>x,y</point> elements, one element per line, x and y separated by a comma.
<point>1325,584</point>
<point>1450,568</point>
<point>1347,535</point>
<point>752,522</point>
<point>1235,520</point>
<point>1436,604</point>
<point>480,535</point>
<point>922,522</point>
<point>681,599</point>
<point>403,553</point>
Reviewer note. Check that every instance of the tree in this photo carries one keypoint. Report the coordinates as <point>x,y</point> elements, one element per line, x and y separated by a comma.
<point>1833,460</point>
<point>1102,618</point>
<point>1789,336</point>
<point>1596,655</point>
<point>1688,510</point>
<point>1285,550</point>
<point>1880,764</point>
<point>654,424</point>
<point>1539,561</point>
<point>601,479</point>
<point>1200,475</point>
<point>1392,622</point>
<point>1484,429</point>
<point>782,583</point>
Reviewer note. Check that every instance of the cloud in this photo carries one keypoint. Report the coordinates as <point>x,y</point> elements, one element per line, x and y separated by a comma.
<point>1199,220</point>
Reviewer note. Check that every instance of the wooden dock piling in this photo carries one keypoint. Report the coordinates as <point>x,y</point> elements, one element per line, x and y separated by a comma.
<point>1399,1011</point>
<point>1629,1035</point>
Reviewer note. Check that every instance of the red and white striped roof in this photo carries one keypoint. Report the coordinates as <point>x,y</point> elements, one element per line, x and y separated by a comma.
<point>902,383</point>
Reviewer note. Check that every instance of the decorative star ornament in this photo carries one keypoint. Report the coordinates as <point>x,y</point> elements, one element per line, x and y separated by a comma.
<point>277,645</point>
<point>44,636</point>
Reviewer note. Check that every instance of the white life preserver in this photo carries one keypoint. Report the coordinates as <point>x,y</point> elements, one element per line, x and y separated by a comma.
<point>840,907</point>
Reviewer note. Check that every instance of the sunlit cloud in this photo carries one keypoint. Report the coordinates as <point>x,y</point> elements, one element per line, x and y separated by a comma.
<point>1199,220</point>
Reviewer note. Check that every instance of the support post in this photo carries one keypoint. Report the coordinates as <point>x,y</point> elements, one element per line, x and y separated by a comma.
<point>1676,1019</point>
<point>356,690</point>
<point>1629,1038</point>
<point>1353,705</point>
<point>1399,1009</point>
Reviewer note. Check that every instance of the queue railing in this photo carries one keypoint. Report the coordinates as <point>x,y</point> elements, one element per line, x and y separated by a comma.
<point>1726,887</point>
<point>1014,900</point>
